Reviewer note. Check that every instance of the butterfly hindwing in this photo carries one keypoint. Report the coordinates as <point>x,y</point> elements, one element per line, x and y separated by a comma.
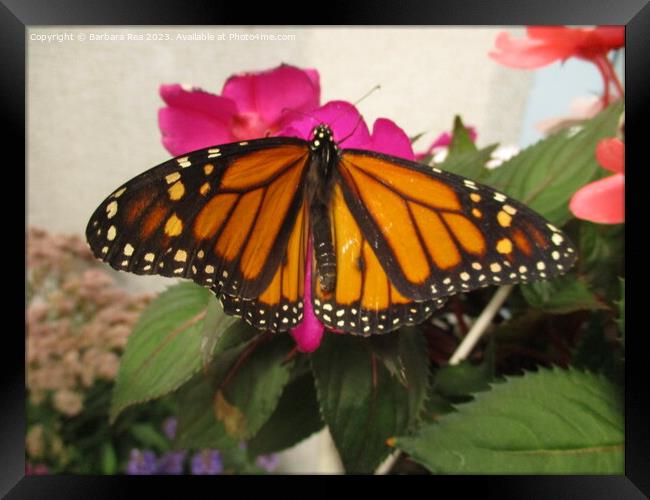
<point>220,216</point>
<point>280,306</point>
<point>364,301</point>
<point>437,234</point>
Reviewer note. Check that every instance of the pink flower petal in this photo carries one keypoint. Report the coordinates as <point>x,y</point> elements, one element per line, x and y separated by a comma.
<point>273,94</point>
<point>557,35</point>
<point>610,154</point>
<point>196,99</point>
<point>342,117</point>
<point>194,119</point>
<point>309,332</point>
<point>602,201</point>
<point>186,130</point>
<point>444,140</point>
<point>612,37</point>
<point>527,53</point>
<point>389,139</point>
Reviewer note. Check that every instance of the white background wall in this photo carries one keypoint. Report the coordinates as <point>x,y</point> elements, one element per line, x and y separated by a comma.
<point>92,108</point>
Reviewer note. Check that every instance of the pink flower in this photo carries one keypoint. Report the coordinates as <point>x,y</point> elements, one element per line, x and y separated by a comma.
<point>279,102</point>
<point>443,141</point>
<point>581,108</point>
<point>350,131</point>
<point>251,105</point>
<point>603,201</point>
<point>547,44</point>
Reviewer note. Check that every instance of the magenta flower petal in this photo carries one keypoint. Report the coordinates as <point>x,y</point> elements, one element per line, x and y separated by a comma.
<point>444,140</point>
<point>342,117</point>
<point>196,99</point>
<point>272,95</point>
<point>187,130</point>
<point>388,138</point>
<point>194,119</point>
<point>314,76</point>
<point>309,332</point>
<point>610,154</point>
<point>602,201</point>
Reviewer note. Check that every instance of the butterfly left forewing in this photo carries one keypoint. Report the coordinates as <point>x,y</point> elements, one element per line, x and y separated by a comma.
<point>437,234</point>
<point>220,216</point>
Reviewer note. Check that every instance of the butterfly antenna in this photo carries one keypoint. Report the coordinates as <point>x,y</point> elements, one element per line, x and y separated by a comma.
<point>376,87</point>
<point>353,131</point>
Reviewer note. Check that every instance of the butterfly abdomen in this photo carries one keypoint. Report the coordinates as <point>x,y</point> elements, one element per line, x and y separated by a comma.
<point>323,246</point>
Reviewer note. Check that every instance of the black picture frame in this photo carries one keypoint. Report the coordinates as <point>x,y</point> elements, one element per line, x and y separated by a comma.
<point>17,15</point>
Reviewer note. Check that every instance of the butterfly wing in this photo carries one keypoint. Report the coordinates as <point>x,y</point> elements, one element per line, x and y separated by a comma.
<point>280,306</point>
<point>220,216</point>
<point>364,300</point>
<point>436,233</point>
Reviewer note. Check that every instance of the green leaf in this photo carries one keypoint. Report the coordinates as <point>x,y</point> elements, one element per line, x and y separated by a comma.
<point>602,253</point>
<point>148,437</point>
<point>461,141</point>
<point>415,137</point>
<point>621,311</point>
<point>252,394</point>
<point>548,422</point>
<point>164,350</point>
<point>213,330</point>
<point>545,175</point>
<point>470,164</point>
<point>295,418</point>
<point>197,424</point>
<point>561,295</point>
<point>108,459</point>
<point>466,377</point>
<point>596,352</point>
<point>436,406</point>
<point>234,398</point>
<point>361,402</point>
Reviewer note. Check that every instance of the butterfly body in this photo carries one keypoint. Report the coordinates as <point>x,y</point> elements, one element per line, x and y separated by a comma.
<point>318,194</point>
<point>386,239</point>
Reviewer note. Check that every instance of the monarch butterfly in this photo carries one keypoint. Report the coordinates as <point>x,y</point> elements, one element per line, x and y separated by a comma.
<point>389,239</point>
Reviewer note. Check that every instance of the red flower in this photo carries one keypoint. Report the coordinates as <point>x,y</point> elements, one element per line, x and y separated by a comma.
<point>603,201</point>
<point>548,44</point>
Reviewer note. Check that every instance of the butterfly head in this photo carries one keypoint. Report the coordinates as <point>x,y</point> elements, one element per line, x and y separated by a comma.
<point>322,138</point>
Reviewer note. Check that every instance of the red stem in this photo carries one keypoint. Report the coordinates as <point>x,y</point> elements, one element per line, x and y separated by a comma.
<point>243,357</point>
<point>602,67</point>
<point>614,77</point>
<point>609,75</point>
<point>457,310</point>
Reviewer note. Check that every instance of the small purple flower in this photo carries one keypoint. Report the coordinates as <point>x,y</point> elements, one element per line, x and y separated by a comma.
<point>207,462</point>
<point>172,462</point>
<point>141,462</point>
<point>169,427</point>
<point>267,462</point>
